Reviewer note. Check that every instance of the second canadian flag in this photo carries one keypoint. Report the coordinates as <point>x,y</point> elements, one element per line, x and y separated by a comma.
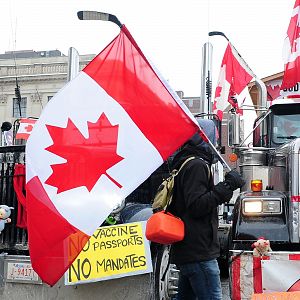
<point>25,128</point>
<point>233,79</point>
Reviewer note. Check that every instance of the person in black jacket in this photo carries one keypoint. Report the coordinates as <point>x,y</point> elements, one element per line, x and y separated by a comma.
<point>195,201</point>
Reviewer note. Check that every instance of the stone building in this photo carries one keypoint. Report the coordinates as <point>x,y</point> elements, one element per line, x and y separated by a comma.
<point>38,74</point>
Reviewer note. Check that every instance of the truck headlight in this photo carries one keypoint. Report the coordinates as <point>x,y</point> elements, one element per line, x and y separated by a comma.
<point>255,206</point>
<point>251,207</point>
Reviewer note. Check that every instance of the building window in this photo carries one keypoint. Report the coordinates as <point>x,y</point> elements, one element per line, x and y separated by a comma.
<point>17,107</point>
<point>49,98</point>
<point>191,103</point>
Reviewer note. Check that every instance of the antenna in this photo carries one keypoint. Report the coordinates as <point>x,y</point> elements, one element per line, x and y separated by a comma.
<point>17,88</point>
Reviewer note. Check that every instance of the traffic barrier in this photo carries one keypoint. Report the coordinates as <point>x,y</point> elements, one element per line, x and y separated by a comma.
<point>251,275</point>
<point>277,296</point>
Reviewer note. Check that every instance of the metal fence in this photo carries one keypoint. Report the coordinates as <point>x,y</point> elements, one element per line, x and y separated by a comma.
<point>13,240</point>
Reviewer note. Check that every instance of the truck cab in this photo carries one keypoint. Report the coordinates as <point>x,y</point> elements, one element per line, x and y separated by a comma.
<point>268,204</point>
<point>280,126</point>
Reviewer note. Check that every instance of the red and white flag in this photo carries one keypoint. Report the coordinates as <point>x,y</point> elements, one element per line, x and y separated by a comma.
<point>97,140</point>
<point>232,83</point>
<point>25,128</point>
<point>291,54</point>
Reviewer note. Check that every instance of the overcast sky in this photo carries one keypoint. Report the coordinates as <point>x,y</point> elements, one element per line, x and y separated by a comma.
<point>170,32</point>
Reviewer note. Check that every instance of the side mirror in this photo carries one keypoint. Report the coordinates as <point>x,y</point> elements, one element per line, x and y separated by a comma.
<point>234,129</point>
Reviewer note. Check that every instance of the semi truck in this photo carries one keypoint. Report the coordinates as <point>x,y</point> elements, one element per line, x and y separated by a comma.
<point>268,204</point>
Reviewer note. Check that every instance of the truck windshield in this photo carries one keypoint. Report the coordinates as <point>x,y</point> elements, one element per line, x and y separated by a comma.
<point>285,128</point>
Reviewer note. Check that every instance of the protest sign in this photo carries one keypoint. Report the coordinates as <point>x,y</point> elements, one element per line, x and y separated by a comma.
<point>111,252</point>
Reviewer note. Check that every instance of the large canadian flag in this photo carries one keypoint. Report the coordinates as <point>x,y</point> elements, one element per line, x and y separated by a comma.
<point>291,78</point>
<point>97,140</point>
<point>232,83</point>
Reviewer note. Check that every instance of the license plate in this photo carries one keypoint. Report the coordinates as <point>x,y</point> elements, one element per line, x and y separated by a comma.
<point>21,272</point>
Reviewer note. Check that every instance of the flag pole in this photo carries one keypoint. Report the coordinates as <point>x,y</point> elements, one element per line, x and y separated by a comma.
<point>212,33</point>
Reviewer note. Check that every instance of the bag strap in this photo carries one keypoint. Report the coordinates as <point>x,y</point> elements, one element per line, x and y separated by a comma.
<point>183,164</point>
<point>208,168</point>
<point>175,173</point>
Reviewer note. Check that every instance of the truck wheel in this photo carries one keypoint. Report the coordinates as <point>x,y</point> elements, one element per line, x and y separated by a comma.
<point>166,289</point>
<point>225,236</point>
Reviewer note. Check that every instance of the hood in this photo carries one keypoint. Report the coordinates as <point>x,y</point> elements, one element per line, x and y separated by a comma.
<point>210,130</point>
<point>195,146</point>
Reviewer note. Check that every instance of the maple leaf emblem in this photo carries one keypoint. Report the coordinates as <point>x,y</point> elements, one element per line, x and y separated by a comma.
<point>218,91</point>
<point>28,128</point>
<point>273,92</point>
<point>86,158</point>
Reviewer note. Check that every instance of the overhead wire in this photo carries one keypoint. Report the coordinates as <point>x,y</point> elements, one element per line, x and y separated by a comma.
<point>209,81</point>
<point>14,47</point>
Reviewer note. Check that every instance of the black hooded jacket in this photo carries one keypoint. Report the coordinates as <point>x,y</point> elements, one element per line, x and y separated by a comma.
<point>196,203</point>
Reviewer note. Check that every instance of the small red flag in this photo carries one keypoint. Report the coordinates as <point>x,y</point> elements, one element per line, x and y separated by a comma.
<point>25,128</point>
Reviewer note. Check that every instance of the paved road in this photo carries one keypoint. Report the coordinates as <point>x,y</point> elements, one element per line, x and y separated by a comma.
<point>225,288</point>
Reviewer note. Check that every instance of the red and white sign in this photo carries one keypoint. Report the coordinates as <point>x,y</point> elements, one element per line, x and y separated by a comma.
<point>291,78</point>
<point>25,128</point>
<point>232,83</point>
<point>250,275</point>
<point>97,140</point>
